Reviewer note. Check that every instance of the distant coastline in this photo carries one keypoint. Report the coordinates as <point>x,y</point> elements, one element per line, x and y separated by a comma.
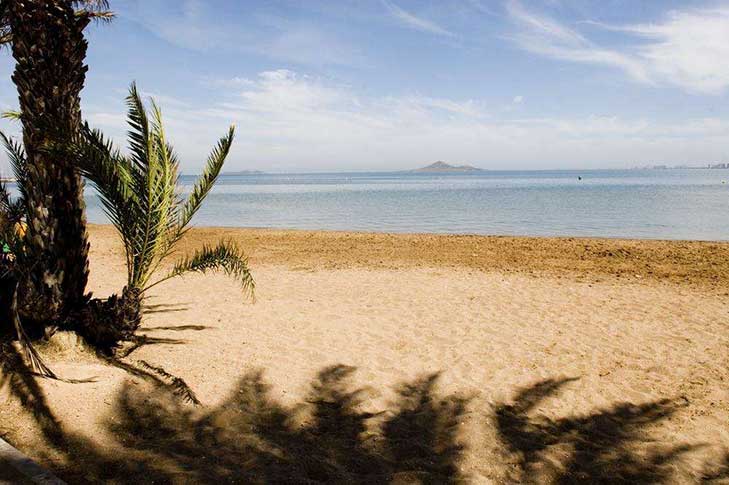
<point>709,166</point>
<point>443,167</point>
<point>436,167</point>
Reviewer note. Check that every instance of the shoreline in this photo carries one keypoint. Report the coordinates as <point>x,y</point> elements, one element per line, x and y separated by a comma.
<point>696,263</point>
<point>443,234</point>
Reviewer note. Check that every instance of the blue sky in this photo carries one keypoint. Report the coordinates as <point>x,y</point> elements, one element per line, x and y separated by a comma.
<point>391,84</point>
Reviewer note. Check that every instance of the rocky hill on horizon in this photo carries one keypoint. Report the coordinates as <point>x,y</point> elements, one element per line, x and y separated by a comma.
<point>441,166</point>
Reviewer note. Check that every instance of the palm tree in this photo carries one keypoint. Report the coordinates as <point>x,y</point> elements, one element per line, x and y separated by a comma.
<point>46,39</point>
<point>139,193</point>
<point>15,261</point>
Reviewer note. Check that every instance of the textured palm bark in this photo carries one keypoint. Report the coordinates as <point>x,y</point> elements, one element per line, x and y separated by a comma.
<point>8,300</point>
<point>49,49</point>
<point>107,324</point>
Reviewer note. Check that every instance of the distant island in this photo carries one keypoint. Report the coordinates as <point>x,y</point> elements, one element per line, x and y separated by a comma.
<point>244,172</point>
<point>440,167</point>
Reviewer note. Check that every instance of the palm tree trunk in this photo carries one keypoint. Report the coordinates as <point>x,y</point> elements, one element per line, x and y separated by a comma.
<point>8,300</point>
<point>49,48</point>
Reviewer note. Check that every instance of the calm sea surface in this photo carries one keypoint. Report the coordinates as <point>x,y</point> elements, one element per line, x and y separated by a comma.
<point>662,204</point>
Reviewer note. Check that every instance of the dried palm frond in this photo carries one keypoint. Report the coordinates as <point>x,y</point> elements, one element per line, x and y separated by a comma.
<point>179,386</point>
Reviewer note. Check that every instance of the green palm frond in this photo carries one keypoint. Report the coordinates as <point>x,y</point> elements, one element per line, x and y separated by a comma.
<point>210,174</point>
<point>10,114</point>
<point>17,158</point>
<point>14,211</point>
<point>138,134</point>
<point>105,166</point>
<point>139,193</point>
<point>110,174</point>
<point>16,154</point>
<point>226,257</point>
<point>5,199</point>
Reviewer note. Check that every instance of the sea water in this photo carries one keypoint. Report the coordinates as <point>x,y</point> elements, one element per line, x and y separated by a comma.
<point>658,204</point>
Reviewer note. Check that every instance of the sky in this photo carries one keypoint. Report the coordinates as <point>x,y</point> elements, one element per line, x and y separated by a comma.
<point>324,85</point>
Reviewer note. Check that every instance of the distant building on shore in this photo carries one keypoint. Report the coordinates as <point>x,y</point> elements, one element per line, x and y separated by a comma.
<point>684,166</point>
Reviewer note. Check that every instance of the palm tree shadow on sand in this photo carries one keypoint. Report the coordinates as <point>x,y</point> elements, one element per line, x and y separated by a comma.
<point>251,438</point>
<point>328,438</point>
<point>605,446</point>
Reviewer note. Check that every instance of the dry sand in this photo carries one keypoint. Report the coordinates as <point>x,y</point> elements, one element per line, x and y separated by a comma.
<point>631,321</point>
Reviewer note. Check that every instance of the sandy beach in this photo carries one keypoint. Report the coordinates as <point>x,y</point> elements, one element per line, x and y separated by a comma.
<point>527,357</point>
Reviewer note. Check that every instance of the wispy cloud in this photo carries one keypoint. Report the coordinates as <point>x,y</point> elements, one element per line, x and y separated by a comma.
<point>288,120</point>
<point>687,48</point>
<point>197,26</point>
<point>303,43</point>
<point>413,21</point>
<point>165,100</point>
<point>682,49</point>
<point>481,6</point>
<point>545,36</point>
<point>236,82</point>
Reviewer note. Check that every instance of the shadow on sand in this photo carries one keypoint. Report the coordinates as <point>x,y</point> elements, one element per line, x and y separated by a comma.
<point>605,446</point>
<point>328,438</point>
<point>251,438</point>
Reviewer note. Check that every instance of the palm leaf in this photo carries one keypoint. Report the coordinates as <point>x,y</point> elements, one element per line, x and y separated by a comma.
<point>91,4</point>
<point>11,115</point>
<point>166,188</point>
<point>15,211</point>
<point>5,200</point>
<point>148,169</point>
<point>31,355</point>
<point>139,193</point>
<point>138,134</point>
<point>110,174</point>
<point>205,183</point>
<point>226,257</point>
<point>16,156</point>
<point>94,9</point>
